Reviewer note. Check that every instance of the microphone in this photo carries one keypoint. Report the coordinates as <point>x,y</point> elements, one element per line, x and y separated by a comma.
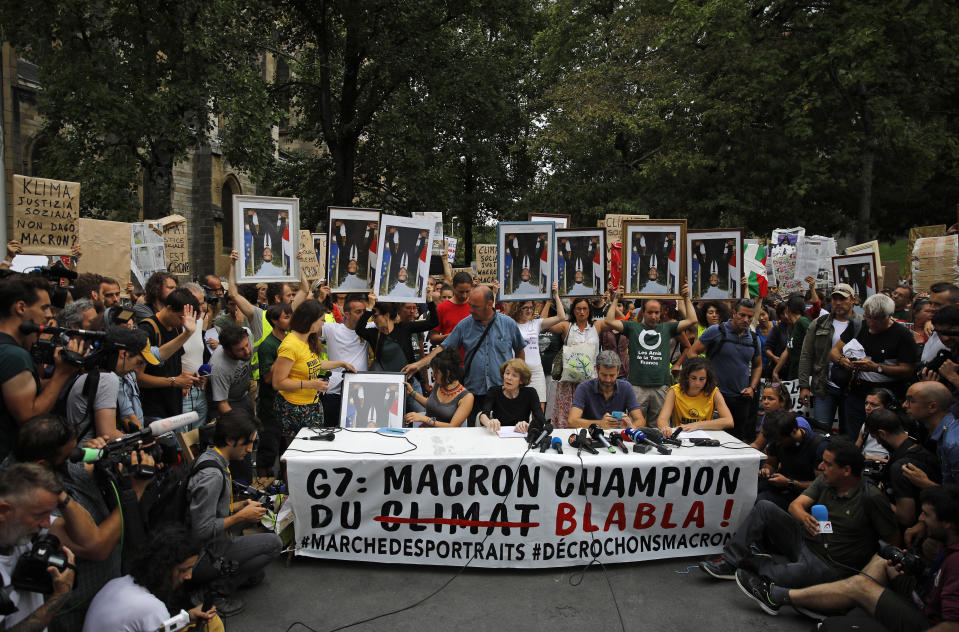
<point>30,327</point>
<point>545,443</point>
<point>135,439</point>
<point>581,442</point>
<point>558,444</point>
<point>676,432</point>
<point>547,428</point>
<point>821,513</point>
<point>597,433</point>
<point>640,437</point>
<point>616,439</point>
<point>659,437</point>
<point>205,370</point>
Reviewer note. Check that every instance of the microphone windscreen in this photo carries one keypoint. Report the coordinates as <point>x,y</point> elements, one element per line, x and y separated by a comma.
<point>170,424</point>
<point>654,434</point>
<point>204,370</point>
<point>84,455</point>
<point>557,442</point>
<point>820,513</point>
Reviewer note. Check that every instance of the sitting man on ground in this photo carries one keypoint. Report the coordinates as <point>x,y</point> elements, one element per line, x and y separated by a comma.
<point>860,517</point>
<point>793,453</point>
<point>213,513</point>
<point>888,593</point>
<point>153,591</point>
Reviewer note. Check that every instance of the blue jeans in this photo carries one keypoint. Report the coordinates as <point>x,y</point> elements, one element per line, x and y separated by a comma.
<point>824,409</point>
<point>855,416</point>
<point>195,400</point>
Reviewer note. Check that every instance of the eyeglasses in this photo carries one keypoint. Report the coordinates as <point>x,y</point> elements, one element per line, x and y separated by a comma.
<point>527,308</point>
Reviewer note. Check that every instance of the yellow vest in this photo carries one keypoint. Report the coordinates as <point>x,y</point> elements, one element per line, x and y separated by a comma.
<point>255,359</point>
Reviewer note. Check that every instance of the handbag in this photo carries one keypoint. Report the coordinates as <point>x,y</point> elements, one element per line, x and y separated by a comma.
<point>578,361</point>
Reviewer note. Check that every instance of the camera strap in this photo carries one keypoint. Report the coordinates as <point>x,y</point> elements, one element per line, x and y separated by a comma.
<point>90,386</point>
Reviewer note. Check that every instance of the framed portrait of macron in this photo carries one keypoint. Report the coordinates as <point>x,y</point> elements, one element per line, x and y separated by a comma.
<point>653,257</point>
<point>714,263</point>
<point>268,229</point>
<point>352,249</point>
<point>561,220</point>
<point>581,261</point>
<point>525,267</point>
<point>373,400</point>
<point>403,264</point>
<point>859,271</point>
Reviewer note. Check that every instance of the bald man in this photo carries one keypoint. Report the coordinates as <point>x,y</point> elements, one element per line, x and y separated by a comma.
<point>928,403</point>
<point>485,350</point>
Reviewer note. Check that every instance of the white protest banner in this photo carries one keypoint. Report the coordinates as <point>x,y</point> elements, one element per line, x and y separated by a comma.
<point>486,262</point>
<point>814,259</point>
<point>147,250</point>
<point>175,244</point>
<point>45,214</point>
<point>457,501</point>
<point>450,249</point>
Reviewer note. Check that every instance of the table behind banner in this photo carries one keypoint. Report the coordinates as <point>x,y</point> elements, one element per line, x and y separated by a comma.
<point>442,496</point>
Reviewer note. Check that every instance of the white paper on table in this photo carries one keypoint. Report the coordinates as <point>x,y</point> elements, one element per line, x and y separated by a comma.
<point>694,434</point>
<point>507,432</point>
<point>853,350</point>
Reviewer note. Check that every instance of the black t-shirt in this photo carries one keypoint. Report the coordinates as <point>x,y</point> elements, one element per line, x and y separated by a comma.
<point>895,482</point>
<point>799,461</point>
<point>167,401</point>
<point>509,411</point>
<point>395,349</point>
<point>895,344</point>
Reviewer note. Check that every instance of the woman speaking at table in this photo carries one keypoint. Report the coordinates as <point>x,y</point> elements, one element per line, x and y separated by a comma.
<point>514,402</point>
<point>695,403</point>
<point>449,404</point>
<point>296,372</point>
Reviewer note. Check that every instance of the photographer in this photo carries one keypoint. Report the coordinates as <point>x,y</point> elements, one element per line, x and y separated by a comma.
<point>83,521</point>
<point>154,590</point>
<point>943,367</point>
<point>25,299</point>
<point>213,513</point>
<point>889,592</point>
<point>28,493</point>
<point>95,406</point>
<point>886,427</point>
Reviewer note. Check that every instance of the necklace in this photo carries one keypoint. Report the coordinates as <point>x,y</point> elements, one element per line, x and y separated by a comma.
<point>453,391</point>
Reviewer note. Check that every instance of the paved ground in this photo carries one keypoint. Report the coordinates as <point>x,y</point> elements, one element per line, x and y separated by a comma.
<point>652,596</point>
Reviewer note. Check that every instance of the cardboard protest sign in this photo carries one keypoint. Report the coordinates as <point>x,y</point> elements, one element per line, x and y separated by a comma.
<point>106,249</point>
<point>614,224</point>
<point>308,263</point>
<point>486,263</point>
<point>45,214</point>
<point>320,250</point>
<point>933,259</point>
<point>175,244</point>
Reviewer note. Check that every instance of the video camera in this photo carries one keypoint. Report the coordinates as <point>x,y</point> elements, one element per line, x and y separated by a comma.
<point>44,350</point>
<point>258,495</point>
<point>53,274</point>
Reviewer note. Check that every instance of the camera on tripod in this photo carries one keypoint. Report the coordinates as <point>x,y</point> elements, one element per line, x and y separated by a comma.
<point>30,573</point>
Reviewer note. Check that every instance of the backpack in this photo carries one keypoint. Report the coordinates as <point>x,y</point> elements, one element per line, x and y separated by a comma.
<point>167,499</point>
<point>712,351</point>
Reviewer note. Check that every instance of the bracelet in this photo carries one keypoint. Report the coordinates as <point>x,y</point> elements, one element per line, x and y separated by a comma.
<point>432,422</point>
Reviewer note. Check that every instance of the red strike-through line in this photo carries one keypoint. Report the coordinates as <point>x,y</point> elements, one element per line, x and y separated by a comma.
<point>453,522</point>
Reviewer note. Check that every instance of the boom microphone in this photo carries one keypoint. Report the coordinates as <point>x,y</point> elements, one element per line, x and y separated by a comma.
<point>597,433</point>
<point>30,327</point>
<point>558,444</point>
<point>136,439</point>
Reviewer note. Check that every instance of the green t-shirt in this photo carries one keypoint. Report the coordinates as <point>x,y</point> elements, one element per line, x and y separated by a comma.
<point>14,360</point>
<point>794,344</point>
<point>857,522</point>
<point>649,352</point>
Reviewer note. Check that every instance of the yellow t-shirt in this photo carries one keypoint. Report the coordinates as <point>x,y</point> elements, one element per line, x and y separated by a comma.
<point>689,409</point>
<point>306,366</point>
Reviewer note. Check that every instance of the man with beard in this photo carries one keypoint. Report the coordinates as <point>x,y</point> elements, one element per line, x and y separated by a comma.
<point>147,597</point>
<point>28,493</point>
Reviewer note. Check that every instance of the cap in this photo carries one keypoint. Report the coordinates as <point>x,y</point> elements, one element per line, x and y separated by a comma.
<point>844,290</point>
<point>131,340</point>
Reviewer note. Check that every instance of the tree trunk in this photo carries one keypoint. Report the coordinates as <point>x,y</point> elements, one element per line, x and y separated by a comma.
<point>344,161</point>
<point>468,214</point>
<point>862,231</point>
<point>158,186</point>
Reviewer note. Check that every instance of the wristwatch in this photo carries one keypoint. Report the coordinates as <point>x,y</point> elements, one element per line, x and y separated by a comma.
<point>172,381</point>
<point>878,368</point>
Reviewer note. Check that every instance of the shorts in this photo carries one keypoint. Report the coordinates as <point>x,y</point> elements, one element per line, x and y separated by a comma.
<point>896,610</point>
<point>295,417</point>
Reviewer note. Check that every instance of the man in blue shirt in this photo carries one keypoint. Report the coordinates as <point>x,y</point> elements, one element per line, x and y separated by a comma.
<point>734,352</point>
<point>595,400</point>
<point>928,403</point>
<point>485,350</point>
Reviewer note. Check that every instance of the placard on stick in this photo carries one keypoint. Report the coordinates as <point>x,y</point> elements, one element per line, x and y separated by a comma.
<point>45,214</point>
<point>309,266</point>
<point>486,263</point>
<point>175,244</point>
